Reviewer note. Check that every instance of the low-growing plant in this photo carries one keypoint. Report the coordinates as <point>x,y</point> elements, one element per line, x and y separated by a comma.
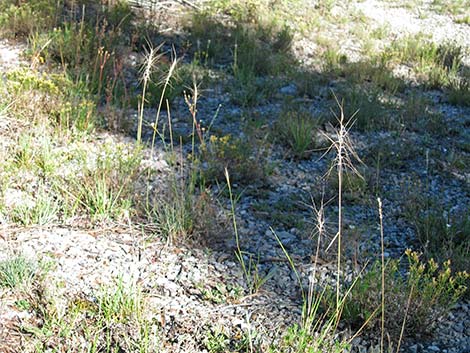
<point>434,64</point>
<point>355,185</point>
<point>244,162</point>
<point>247,90</point>
<point>17,272</point>
<point>254,279</point>
<point>41,210</point>
<point>183,213</point>
<point>53,99</point>
<point>297,130</point>
<point>20,19</point>
<point>216,340</point>
<point>453,7</point>
<point>394,154</point>
<point>104,189</point>
<point>333,59</point>
<point>418,113</point>
<point>458,92</point>
<point>115,321</point>
<point>366,108</point>
<point>427,292</point>
<point>119,303</point>
<point>445,236</point>
<point>261,44</point>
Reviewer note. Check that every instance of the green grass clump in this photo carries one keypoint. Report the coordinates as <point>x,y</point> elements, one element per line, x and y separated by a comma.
<point>183,214</point>
<point>418,113</point>
<point>424,295</point>
<point>42,210</point>
<point>17,272</point>
<point>297,130</point>
<point>105,188</point>
<point>458,92</point>
<point>257,42</point>
<point>435,65</point>
<point>366,109</point>
<point>115,321</point>
<point>453,7</point>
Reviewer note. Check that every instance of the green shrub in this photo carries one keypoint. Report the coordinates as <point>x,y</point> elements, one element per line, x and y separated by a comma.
<point>237,155</point>
<point>54,98</point>
<point>424,295</point>
<point>23,18</point>
<point>445,237</point>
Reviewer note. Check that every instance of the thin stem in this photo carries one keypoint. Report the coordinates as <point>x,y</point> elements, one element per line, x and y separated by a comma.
<point>404,318</point>
<point>340,150</point>
<point>383,276</point>
<point>146,78</point>
<point>239,252</point>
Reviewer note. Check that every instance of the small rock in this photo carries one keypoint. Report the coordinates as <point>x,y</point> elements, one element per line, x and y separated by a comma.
<point>433,348</point>
<point>290,90</point>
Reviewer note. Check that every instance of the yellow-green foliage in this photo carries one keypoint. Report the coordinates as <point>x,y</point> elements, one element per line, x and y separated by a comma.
<point>257,42</point>
<point>434,64</point>
<point>50,97</point>
<point>105,187</point>
<point>425,294</point>
<point>22,18</point>
<point>234,154</point>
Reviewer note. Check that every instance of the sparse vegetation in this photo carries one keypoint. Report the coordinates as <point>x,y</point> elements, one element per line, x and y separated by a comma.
<point>160,126</point>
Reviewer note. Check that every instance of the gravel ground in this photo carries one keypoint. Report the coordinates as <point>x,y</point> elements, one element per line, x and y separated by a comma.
<point>180,279</point>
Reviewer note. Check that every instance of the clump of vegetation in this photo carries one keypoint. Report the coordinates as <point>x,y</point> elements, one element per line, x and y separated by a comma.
<point>44,209</point>
<point>445,236</point>
<point>355,185</point>
<point>52,99</point>
<point>418,113</point>
<point>418,300</point>
<point>21,19</point>
<point>297,130</point>
<point>366,109</point>
<point>259,44</point>
<point>454,7</point>
<point>434,64</point>
<point>458,92</point>
<point>183,214</point>
<point>105,187</point>
<point>245,164</point>
<point>17,272</point>
<point>116,320</point>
